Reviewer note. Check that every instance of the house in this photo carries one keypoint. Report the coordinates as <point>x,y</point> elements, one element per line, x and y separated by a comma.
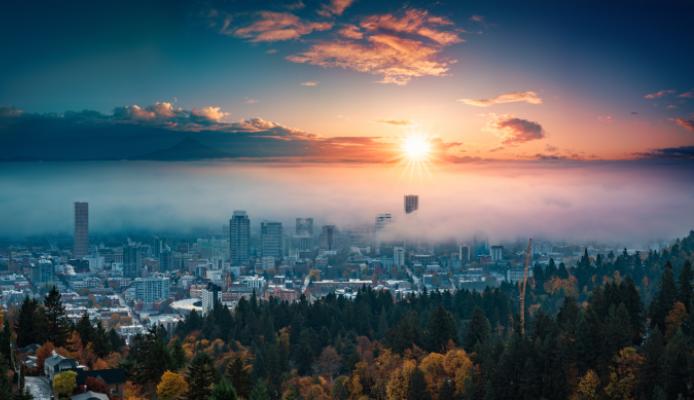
<point>89,396</point>
<point>114,379</point>
<point>56,364</point>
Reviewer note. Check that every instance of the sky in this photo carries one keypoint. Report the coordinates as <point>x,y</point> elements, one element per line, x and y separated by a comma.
<point>346,80</point>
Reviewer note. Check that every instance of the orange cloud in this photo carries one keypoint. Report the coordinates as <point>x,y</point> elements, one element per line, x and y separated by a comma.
<point>529,97</point>
<point>397,48</point>
<point>685,123</point>
<point>278,26</point>
<point>334,7</point>
<point>211,113</point>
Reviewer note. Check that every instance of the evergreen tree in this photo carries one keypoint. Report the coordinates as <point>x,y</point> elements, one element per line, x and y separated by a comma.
<point>240,377</point>
<point>685,283</point>
<point>58,325</point>
<point>652,372</point>
<point>31,323</point>
<point>478,330</point>
<point>662,304</point>
<point>441,330</point>
<point>417,386</point>
<point>223,391</point>
<point>260,391</point>
<point>678,380</point>
<point>201,377</point>
<point>85,329</point>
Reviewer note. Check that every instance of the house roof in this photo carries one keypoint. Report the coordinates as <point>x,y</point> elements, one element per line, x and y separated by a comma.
<point>111,376</point>
<point>56,359</point>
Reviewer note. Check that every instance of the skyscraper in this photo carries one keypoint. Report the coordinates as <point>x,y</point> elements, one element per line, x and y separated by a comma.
<point>132,260</point>
<point>271,239</point>
<point>81,244</point>
<point>383,220</point>
<point>304,227</point>
<point>239,238</point>
<point>411,203</point>
<point>327,237</point>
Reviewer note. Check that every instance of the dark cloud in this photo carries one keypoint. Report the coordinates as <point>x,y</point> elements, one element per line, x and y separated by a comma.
<point>670,153</point>
<point>515,130</point>
<point>162,131</point>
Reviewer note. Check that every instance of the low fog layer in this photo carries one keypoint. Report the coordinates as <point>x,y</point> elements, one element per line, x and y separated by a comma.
<point>628,202</point>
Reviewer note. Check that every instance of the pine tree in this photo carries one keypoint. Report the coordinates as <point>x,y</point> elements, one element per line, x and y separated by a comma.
<point>31,323</point>
<point>417,386</point>
<point>677,373</point>
<point>223,391</point>
<point>85,329</point>
<point>441,330</point>
<point>58,326</point>
<point>652,370</point>
<point>662,304</point>
<point>240,377</point>
<point>685,283</point>
<point>478,330</point>
<point>201,377</point>
<point>260,391</point>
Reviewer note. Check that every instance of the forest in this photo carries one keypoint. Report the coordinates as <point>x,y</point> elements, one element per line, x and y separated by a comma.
<point>614,326</point>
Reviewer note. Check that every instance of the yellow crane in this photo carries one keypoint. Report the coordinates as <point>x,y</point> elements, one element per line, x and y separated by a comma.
<point>524,284</point>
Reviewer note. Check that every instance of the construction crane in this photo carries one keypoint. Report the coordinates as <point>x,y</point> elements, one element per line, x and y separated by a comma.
<point>524,284</point>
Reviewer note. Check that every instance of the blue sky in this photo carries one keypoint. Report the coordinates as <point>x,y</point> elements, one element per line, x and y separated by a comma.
<point>592,65</point>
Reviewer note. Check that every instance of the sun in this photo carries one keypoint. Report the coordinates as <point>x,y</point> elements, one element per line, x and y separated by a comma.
<point>416,148</point>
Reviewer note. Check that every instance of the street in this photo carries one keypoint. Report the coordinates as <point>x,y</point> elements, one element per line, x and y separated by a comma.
<point>38,387</point>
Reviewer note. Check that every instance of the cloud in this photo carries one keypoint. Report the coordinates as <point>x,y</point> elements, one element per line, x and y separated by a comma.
<point>671,153</point>
<point>398,122</point>
<point>334,7</point>
<point>515,130</point>
<point>529,97</point>
<point>477,18</point>
<point>210,113</point>
<point>351,32</point>
<point>686,123</point>
<point>399,48</point>
<point>658,94</point>
<point>10,112</point>
<point>250,100</point>
<point>273,26</point>
<point>687,95</point>
<point>310,83</point>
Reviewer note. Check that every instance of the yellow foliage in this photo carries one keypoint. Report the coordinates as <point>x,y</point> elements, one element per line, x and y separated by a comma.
<point>172,386</point>
<point>399,381</point>
<point>587,388</point>
<point>675,319</point>
<point>458,367</point>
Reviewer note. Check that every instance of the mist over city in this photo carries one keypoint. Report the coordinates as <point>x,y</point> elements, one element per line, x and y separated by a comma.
<point>346,199</point>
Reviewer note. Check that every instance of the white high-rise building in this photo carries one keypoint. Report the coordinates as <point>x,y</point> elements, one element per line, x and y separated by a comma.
<point>152,289</point>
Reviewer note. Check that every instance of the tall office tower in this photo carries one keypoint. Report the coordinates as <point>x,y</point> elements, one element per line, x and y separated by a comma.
<point>327,237</point>
<point>165,259</point>
<point>81,245</point>
<point>131,261</point>
<point>497,253</point>
<point>464,254</point>
<point>271,239</point>
<point>239,238</point>
<point>158,245</point>
<point>383,220</point>
<point>304,227</point>
<point>411,203</point>
<point>399,256</point>
<point>210,297</point>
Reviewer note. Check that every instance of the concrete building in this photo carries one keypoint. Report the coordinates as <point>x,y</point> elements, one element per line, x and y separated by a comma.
<point>81,238</point>
<point>383,220</point>
<point>43,272</point>
<point>497,253</point>
<point>210,297</point>
<point>399,256</point>
<point>152,289</point>
<point>327,237</point>
<point>411,203</point>
<point>239,238</point>
<point>271,239</point>
<point>304,227</point>
<point>132,261</point>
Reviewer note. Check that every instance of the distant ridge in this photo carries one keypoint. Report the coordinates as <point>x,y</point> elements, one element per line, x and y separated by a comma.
<point>187,149</point>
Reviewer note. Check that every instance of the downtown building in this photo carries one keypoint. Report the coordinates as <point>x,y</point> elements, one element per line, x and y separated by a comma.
<point>239,238</point>
<point>152,289</point>
<point>411,203</point>
<point>81,235</point>
<point>271,240</point>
